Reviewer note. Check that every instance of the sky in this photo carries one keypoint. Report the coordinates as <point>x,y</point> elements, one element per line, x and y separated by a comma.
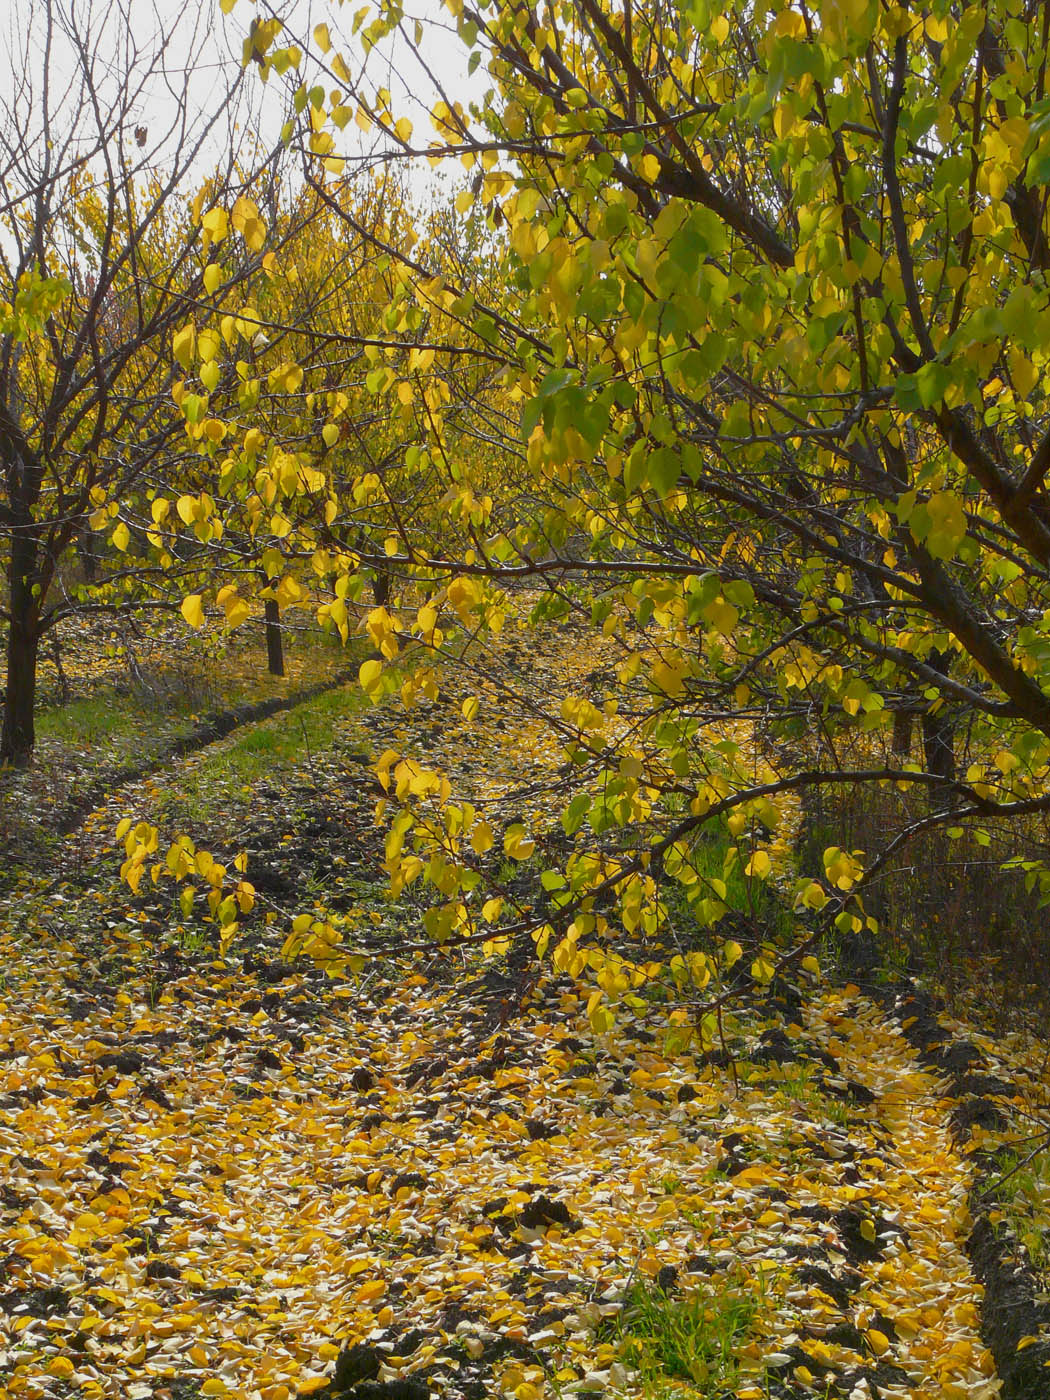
<point>392,64</point>
<point>180,56</point>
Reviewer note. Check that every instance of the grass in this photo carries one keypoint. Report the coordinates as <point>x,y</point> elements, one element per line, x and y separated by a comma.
<point>946,906</point>
<point>797,1083</point>
<point>1022,1193</point>
<point>687,1345</point>
<point>172,699</point>
<point>758,900</point>
<point>229,772</point>
<point>129,721</point>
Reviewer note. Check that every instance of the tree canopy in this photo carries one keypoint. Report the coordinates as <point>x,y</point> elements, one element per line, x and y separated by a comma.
<point>766,294</point>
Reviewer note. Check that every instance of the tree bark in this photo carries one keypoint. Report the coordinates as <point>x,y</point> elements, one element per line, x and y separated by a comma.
<point>938,729</point>
<point>87,550</point>
<point>274,642</point>
<point>902,732</point>
<point>938,744</point>
<point>18,735</point>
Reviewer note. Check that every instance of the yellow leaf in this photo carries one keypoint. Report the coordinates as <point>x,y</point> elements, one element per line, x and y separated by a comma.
<point>215,1385</point>
<point>516,845</point>
<point>193,610</point>
<point>183,345</point>
<point>374,1289</point>
<point>481,838</point>
<point>60,1367</point>
<point>323,38</point>
<point>762,970</point>
<point>731,953</point>
<point>121,537</point>
<point>403,129</point>
<point>216,224</point>
<point>810,964</point>
<point>209,343</point>
<point>237,611</point>
<point>867,1230</point>
<point>212,278</point>
<point>722,616</point>
<point>287,377</point>
<point>330,434</point>
<point>369,674</point>
<point>878,1341</point>
<point>254,234</point>
<point>813,896</point>
<point>470,707</point>
<point>759,865</point>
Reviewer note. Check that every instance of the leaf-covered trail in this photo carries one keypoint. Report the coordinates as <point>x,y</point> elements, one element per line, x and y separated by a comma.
<point>220,1176</point>
<point>232,1183</point>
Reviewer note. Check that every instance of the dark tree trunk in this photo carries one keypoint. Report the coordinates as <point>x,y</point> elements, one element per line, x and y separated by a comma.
<point>938,744</point>
<point>23,643</point>
<point>902,720</point>
<point>938,729</point>
<point>87,550</point>
<point>381,587</point>
<point>23,479</point>
<point>274,642</point>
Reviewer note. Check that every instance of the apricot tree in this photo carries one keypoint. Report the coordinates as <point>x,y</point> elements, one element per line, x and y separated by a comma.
<point>773,311</point>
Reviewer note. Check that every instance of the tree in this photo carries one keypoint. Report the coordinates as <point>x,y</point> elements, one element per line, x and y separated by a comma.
<point>774,305</point>
<point>314,434</point>
<point>105,140</point>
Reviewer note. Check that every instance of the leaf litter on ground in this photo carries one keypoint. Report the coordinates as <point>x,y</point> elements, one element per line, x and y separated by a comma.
<point>239,1177</point>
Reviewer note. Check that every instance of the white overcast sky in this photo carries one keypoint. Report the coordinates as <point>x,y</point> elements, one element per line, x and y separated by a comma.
<point>204,50</point>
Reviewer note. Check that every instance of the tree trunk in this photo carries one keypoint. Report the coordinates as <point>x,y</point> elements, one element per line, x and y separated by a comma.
<point>87,550</point>
<point>938,729</point>
<point>902,732</point>
<point>23,642</point>
<point>274,643</point>
<point>938,744</point>
<point>23,479</point>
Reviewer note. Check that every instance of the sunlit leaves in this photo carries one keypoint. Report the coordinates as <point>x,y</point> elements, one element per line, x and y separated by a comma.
<point>517,844</point>
<point>370,674</point>
<point>286,377</point>
<point>216,225</point>
<point>36,298</point>
<point>192,609</point>
<point>184,345</point>
<point>185,864</point>
<point>248,223</point>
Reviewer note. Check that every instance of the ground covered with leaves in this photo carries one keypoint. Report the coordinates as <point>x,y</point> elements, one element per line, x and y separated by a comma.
<point>233,1175</point>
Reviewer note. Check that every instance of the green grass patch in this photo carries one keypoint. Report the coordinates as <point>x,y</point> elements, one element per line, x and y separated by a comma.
<point>684,1346</point>
<point>1022,1193</point>
<point>313,735</point>
<point>173,698</point>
